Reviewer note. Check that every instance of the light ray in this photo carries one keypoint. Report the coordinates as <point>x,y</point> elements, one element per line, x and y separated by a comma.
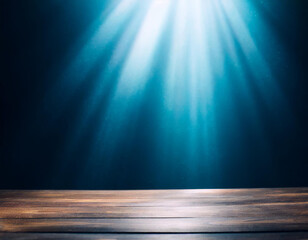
<point>266,81</point>
<point>211,61</point>
<point>134,74</point>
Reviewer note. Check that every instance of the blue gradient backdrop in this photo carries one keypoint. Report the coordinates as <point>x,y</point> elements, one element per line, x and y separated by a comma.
<point>132,94</point>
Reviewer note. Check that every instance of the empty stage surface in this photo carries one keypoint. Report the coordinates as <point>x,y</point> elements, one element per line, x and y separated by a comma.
<point>155,214</point>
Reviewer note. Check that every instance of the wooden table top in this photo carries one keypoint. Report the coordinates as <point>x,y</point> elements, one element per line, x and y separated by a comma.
<point>155,214</point>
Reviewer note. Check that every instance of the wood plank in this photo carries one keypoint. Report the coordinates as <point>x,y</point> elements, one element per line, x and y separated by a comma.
<point>161,194</point>
<point>155,211</point>
<point>155,225</point>
<point>149,201</point>
<point>281,210</point>
<point>144,198</point>
<point>228,236</point>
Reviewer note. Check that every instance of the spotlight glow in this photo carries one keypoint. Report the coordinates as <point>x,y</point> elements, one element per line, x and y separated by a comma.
<point>191,56</point>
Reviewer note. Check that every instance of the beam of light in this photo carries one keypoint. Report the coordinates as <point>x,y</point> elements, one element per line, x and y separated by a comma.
<point>96,44</point>
<point>89,48</point>
<point>133,75</point>
<point>260,81</point>
<point>267,83</point>
<point>188,82</point>
<point>134,71</point>
<point>95,41</point>
<point>228,41</point>
<point>139,62</point>
<point>206,51</point>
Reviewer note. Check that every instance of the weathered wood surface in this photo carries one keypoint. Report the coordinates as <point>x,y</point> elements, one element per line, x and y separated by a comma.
<point>185,236</point>
<point>283,212</point>
<point>157,225</point>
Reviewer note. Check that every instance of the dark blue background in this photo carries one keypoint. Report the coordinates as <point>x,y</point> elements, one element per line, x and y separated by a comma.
<point>35,36</point>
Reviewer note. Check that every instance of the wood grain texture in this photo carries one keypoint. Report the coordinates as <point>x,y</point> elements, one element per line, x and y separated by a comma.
<point>282,210</point>
<point>203,212</point>
<point>185,236</point>
<point>155,225</point>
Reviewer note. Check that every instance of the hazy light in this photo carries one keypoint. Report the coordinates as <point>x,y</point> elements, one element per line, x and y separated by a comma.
<point>190,48</point>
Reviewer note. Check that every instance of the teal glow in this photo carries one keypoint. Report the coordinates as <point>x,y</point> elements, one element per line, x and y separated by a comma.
<point>194,59</point>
